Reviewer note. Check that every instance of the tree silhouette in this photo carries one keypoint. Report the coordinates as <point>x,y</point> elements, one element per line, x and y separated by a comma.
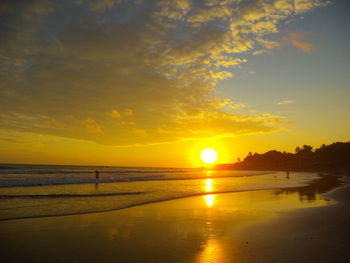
<point>335,156</point>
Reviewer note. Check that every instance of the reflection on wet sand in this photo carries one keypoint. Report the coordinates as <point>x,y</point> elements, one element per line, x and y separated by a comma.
<point>212,252</point>
<point>209,185</point>
<point>209,200</point>
<point>209,228</point>
<point>318,186</point>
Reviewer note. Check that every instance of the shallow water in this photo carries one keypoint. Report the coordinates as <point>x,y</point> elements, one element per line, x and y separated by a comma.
<point>35,191</point>
<point>209,228</point>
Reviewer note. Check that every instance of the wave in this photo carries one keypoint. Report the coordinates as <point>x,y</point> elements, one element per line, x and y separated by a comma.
<point>56,169</point>
<point>18,204</point>
<point>89,211</point>
<point>69,195</point>
<point>29,182</point>
<point>88,172</point>
<point>148,202</point>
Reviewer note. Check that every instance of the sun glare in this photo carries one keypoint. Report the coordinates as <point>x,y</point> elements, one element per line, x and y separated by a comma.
<point>209,156</point>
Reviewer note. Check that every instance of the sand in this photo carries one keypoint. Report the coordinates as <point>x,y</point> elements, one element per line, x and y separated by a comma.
<point>295,225</point>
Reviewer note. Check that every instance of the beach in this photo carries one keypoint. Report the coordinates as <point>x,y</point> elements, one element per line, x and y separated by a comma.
<point>189,131</point>
<point>300,224</point>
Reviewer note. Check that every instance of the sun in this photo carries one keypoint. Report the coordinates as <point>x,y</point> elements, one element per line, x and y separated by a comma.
<point>209,156</point>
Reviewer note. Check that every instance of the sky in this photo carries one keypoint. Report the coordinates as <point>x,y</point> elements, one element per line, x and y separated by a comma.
<point>153,82</point>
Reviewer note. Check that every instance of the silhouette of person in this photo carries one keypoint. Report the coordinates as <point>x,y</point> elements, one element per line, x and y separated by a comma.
<point>97,174</point>
<point>287,174</point>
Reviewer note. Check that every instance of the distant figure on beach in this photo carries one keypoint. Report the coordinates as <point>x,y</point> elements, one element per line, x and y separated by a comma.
<point>97,174</point>
<point>287,174</point>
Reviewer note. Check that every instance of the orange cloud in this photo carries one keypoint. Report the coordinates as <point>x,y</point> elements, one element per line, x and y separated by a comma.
<point>106,73</point>
<point>285,102</point>
<point>138,131</point>
<point>128,112</point>
<point>115,114</point>
<point>294,38</point>
<point>92,126</point>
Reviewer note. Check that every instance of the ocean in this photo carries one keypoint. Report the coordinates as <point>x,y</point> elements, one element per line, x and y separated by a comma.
<point>28,191</point>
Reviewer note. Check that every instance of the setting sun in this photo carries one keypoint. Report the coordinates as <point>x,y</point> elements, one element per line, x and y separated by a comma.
<point>209,156</point>
<point>175,131</point>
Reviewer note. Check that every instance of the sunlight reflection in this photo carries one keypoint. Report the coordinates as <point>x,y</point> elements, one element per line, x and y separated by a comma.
<point>208,185</point>
<point>212,252</point>
<point>112,233</point>
<point>209,173</point>
<point>209,199</point>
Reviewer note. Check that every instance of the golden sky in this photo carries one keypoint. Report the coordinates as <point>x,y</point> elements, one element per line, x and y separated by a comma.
<point>150,83</point>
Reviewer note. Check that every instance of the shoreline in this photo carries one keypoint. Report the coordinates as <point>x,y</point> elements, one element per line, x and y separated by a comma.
<point>253,226</point>
<point>331,182</point>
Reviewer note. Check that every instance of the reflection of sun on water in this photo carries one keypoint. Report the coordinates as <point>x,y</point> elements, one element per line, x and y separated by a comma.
<point>209,185</point>
<point>212,252</point>
<point>208,173</point>
<point>209,199</point>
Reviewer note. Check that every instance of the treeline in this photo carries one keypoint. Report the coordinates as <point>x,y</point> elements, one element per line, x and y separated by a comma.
<point>335,156</point>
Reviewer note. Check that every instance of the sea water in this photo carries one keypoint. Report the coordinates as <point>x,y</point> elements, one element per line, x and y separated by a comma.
<point>51,190</point>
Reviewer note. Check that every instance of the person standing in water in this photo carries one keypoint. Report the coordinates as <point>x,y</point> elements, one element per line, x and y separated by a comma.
<point>97,174</point>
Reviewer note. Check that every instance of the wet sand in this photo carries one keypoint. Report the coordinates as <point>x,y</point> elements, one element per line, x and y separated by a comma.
<point>290,225</point>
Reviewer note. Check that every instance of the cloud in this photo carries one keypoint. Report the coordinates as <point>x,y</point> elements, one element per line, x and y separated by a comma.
<point>138,131</point>
<point>92,126</point>
<point>132,72</point>
<point>285,102</point>
<point>115,114</point>
<point>129,112</point>
<point>294,38</point>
